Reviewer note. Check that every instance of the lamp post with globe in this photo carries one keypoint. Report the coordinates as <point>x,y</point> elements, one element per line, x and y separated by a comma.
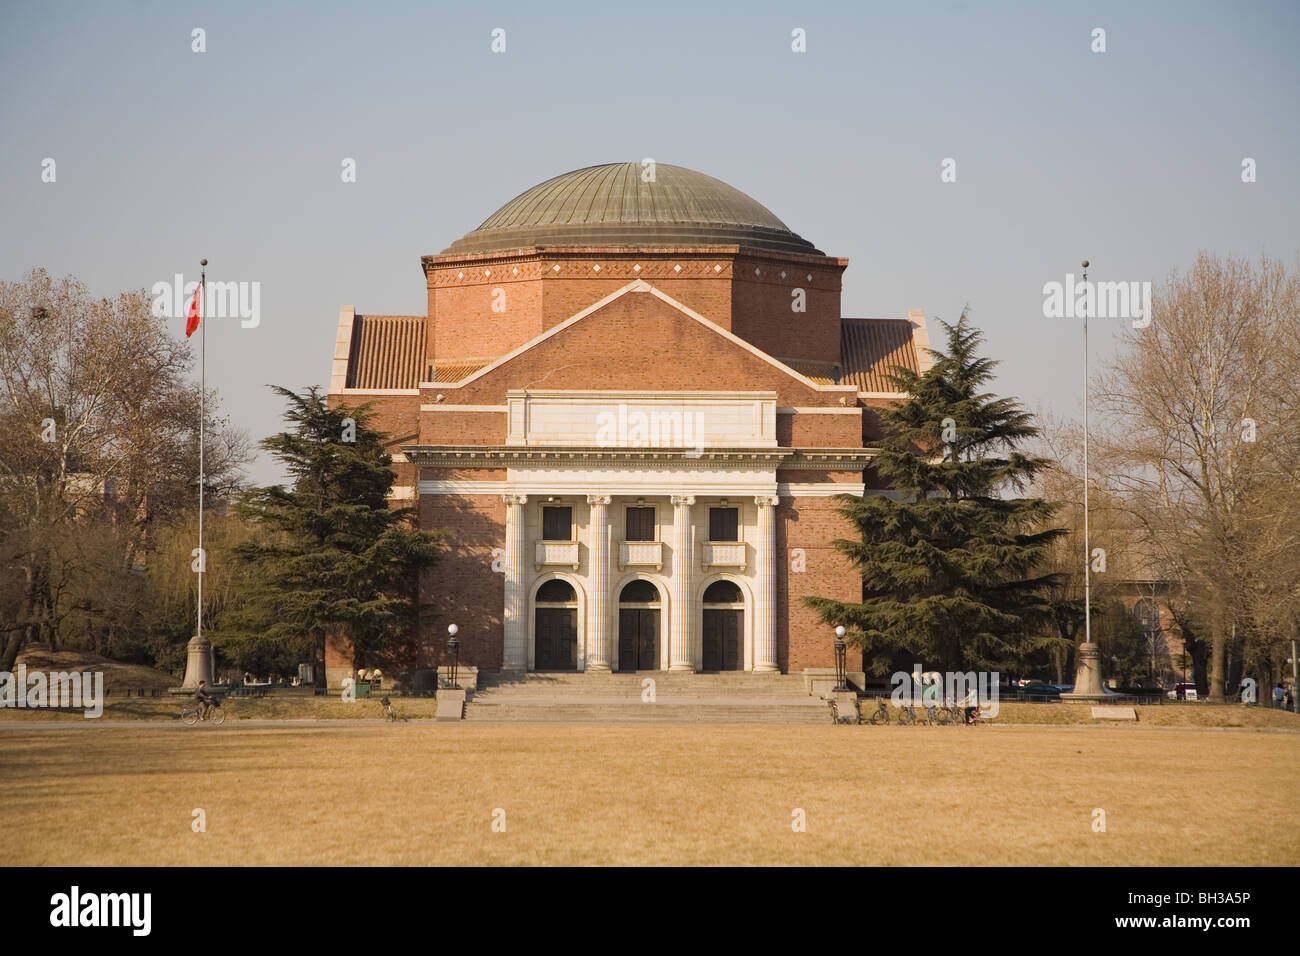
<point>841,685</point>
<point>453,648</point>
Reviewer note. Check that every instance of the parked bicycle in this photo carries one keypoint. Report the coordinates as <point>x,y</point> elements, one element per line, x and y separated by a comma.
<point>881,716</point>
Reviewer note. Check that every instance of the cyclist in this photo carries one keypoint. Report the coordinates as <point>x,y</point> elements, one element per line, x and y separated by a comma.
<point>204,701</point>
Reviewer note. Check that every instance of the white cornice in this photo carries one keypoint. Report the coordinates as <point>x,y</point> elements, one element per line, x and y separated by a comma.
<point>514,456</point>
<point>570,486</point>
<point>818,489</point>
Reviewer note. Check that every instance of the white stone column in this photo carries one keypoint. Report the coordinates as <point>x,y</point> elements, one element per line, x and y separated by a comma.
<point>598,644</point>
<point>515,613</point>
<point>765,586</point>
<point>680,629</point>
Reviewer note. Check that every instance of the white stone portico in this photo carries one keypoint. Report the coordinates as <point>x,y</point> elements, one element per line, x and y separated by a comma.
<point>553,461</point>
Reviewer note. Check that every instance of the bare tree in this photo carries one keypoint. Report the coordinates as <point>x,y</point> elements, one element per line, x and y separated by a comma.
<point>98,445</point>
<point>1198,443</point>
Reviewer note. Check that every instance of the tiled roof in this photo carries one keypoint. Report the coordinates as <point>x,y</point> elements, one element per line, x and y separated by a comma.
<point>387,351</point>
<point>454,371</point>
<point>869,349</point>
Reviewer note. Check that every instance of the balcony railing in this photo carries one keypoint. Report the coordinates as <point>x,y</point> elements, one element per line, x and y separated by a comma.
<point>551,553</point>
<point>724,554</point>
<point>641,554</point>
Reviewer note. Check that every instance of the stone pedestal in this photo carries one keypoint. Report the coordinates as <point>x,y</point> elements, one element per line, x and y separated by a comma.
<point>198,663</point>
<point>1087,679</point>
<point>451,704</point>
<point>340,661</point>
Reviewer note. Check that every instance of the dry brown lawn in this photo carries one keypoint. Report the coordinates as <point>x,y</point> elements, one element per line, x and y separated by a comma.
<point>424,793</point>
<point>304,707</point>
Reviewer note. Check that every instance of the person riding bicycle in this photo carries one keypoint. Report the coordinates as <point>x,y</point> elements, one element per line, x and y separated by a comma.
<point>972,707</point>
<point>204,700</point>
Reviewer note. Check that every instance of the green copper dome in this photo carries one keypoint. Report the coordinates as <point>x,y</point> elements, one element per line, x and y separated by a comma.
<point>610,205</point>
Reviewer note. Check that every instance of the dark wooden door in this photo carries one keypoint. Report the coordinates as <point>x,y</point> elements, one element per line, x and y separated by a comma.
<point>638,639</point>
<point>722,640</point>
<point>557,639</point>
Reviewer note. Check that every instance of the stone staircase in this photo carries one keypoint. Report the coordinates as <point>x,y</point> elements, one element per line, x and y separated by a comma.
<point>731,698</point>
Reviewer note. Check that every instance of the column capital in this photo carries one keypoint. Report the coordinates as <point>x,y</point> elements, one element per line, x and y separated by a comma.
<point>682,500</point>
<point>767,501</point>
<point>515,499</point>
<point>599,499</point>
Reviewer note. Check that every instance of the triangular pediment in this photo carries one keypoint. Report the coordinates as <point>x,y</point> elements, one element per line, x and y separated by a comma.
<point>639,337</point>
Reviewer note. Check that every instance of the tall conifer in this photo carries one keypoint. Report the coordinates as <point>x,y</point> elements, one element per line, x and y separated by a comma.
<point>949,572</point>
<point>332,553</point>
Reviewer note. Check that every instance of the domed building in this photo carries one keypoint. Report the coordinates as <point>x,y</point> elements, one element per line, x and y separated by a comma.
<point>630,403</point>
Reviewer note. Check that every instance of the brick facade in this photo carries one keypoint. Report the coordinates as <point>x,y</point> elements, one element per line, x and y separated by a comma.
<point>643,342</point>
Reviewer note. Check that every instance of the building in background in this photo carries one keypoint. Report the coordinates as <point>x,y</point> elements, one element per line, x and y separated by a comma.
<point>630,405</point>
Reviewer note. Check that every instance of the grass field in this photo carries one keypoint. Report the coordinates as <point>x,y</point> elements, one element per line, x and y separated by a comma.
<point>285,707</point>
<point>424,793</point>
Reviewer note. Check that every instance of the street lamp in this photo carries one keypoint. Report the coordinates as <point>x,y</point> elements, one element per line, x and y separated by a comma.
<point>840,683</point>
<point>453,647</point>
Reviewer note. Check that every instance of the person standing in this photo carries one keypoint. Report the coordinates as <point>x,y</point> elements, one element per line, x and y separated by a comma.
<point>1278,694</point>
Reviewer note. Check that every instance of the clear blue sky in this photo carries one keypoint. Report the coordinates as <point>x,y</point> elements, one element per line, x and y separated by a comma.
<point>1130,158</point>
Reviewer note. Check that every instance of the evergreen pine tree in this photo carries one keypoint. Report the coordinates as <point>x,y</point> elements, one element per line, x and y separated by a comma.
<point>949,571</point>
<point>331,552</point>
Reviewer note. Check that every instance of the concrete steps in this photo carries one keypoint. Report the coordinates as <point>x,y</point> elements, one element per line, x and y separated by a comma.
<point>618,698</point>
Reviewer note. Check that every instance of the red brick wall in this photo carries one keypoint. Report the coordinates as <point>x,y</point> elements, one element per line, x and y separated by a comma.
<point>811,524</point>
<point>464,325</point>
<point>762,307</point>
<point>718,283</point>
<point>818,431</point>
<point>464,428</point>
<point>462,587</point>
<point>638,341</point>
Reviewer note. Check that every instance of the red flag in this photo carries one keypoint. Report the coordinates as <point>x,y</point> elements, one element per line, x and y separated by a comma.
<point>192,320</point>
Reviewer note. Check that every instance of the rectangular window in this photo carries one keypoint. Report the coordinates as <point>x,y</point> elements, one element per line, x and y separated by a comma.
<point>724,524</point>
<point>557,524</point>
<point>640,524</point>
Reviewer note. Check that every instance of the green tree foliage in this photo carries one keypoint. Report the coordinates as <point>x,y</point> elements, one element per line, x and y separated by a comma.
<point>329,552</point>
<point>950,572</point>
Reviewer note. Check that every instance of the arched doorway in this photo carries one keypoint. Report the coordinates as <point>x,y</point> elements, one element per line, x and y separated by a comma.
<point>638,627</point>
<point>724,627</point>
<point>556,633</point>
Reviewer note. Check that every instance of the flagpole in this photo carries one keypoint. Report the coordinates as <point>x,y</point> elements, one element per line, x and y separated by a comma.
<point>1087,658</point>
<point>1087,545</point>
<point>203,390</point>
